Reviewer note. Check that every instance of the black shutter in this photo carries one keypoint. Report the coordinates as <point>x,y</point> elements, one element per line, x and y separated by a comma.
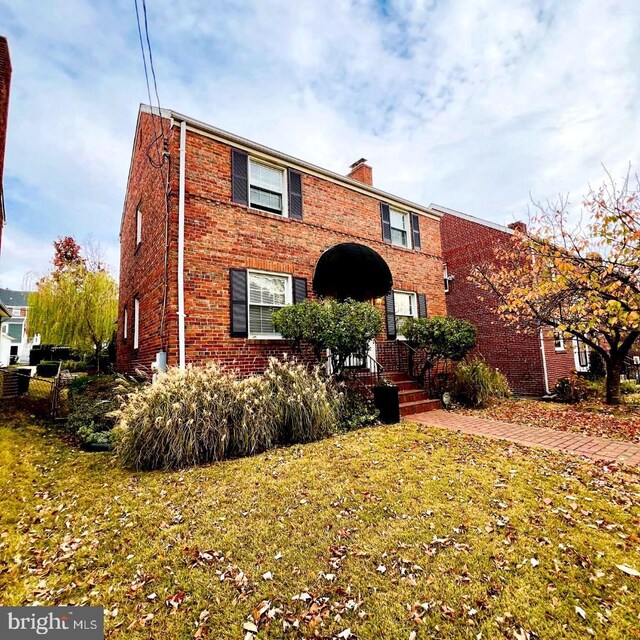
<point>299,290</point>
<point>415,229</point>
<point>239,177</point>
<point>386,222</point>
<point>238,286</point>
<point>390,313</point>
<point>422,305</point>
<point>295,195</point>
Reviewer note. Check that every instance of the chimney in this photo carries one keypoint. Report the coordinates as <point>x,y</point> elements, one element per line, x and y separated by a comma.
<point>361,172</point>
<point>519,226</point>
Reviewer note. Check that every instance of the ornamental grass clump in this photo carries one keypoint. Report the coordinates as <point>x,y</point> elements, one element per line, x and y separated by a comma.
<point>306,406</point>
<point>476,384</point>
<point>180,420</point>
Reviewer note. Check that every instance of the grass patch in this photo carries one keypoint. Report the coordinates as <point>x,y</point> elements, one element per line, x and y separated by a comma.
<point>383,531</point>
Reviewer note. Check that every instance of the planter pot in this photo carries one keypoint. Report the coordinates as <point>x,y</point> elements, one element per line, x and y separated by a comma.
<point>387,403</point>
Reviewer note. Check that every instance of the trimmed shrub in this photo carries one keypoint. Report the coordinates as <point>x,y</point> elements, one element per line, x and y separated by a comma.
<point>356,411</point>
<point>476,384</point>
<point>572,389</point>
<point>47,369</point>
<point>181,420</point>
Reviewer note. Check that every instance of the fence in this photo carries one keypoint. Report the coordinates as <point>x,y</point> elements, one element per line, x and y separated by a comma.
<point>44,397</point>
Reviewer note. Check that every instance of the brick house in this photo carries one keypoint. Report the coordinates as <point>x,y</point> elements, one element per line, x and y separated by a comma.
<point>532,362</point>
<point>224,230</point>
<point>5,83</point>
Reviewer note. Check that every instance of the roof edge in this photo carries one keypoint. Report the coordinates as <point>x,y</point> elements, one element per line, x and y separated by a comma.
<point>470,218</point>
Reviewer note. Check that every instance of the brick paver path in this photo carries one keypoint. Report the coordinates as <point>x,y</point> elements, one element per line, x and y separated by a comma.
<point>575,443</point>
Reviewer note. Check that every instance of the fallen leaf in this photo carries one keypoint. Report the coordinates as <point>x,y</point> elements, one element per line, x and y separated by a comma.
<point>625,568</point>
<point>581,613</point>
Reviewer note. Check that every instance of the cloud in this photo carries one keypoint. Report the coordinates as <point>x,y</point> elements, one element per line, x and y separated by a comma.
<point>472,104</point>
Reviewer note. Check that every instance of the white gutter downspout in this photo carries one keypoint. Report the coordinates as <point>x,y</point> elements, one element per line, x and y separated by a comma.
<point>545,373</point>
<point>181,342</point>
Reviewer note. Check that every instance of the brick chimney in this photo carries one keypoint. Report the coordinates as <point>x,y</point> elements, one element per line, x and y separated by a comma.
<point>361,172</point>
<point>518,226</point>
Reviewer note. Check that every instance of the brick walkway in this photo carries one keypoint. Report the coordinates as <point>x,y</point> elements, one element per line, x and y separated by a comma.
<point>574,443</point>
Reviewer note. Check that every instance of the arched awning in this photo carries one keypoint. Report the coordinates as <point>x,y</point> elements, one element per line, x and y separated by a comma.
<point>351,270</point>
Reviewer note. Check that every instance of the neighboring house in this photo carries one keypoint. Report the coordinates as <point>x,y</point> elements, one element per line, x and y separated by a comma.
<point>15,326</point>
<point>532,362</point>
<point>245,230</point>
<point>5,83</point>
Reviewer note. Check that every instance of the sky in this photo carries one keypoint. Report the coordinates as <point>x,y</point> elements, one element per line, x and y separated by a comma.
<point>476,105</point>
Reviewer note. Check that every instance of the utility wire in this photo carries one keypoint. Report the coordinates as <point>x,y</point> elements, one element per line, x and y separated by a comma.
<point>153,72</point>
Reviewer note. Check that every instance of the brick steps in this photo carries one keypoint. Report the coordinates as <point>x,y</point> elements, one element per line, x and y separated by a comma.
<point>413,398</point>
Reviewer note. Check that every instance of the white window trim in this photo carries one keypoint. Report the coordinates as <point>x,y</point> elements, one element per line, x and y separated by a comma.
<point>136,322</point>
<point>407,216</point>
<point>445,276</point>
<point>414,295</point>
<point>138,226</point>
<point>288,299</point>
<point>577,345</point>
<point>285,186</point>
<point>559,338</point>
<point>125,320</point>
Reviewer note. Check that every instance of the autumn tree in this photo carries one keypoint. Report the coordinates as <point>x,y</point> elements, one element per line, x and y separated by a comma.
<point>579,276</point>
<point>75,304</point>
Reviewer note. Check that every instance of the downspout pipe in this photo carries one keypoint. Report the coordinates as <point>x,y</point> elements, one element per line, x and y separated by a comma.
<point>181,198</point>
<point>545,373</point>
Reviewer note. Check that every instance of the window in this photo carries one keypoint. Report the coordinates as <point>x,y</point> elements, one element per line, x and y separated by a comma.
<point>405,307</point>
<point>136,322</point>
<point>445,275</point>
<point>558,341</point>
<point>266,187</point>
<point>13,329</point>
<point>268,292</point>
<point>400,228</point>
<point>125,322</point>
<point>138,226</point>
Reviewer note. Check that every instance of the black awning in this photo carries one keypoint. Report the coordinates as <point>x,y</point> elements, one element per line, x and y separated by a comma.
<point>351,270</point>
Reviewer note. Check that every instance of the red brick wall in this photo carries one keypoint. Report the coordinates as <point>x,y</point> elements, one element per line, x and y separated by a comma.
<point>220,235</point>
<point>5,84</point>
<point>142,267</point>
<point>518,355</point>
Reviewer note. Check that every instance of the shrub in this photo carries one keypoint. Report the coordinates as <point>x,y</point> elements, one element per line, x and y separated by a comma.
<point>476,384</point>
<point>181,420</point>
<point>305,405</point>
<point>47,369</point>
<point>346,328</point>
<point>94,401</point>
<point>597,370</point>
<point>441,336</point>
<point>75,366</point>
<point>572,389</point>
<point>204,414</point>
<point>356,411</point>
<point>627,387</point>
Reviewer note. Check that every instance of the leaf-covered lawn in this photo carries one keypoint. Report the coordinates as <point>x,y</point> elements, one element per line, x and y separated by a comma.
<point>391,532</point>
<point>590,417</point>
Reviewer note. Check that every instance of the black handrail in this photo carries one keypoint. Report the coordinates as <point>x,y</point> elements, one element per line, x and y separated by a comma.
<point>366,374</point>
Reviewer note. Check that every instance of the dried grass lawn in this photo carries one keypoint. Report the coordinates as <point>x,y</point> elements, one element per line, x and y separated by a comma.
<point>391,532</point>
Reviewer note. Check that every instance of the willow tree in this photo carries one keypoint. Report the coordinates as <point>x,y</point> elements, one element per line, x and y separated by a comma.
<point>74,306</point>
<point>577,278</point>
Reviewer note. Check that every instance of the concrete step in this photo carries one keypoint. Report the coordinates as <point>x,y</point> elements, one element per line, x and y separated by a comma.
<point>418,406</point>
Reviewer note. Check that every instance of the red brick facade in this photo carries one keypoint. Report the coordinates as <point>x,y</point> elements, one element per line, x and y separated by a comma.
<point>5,84</point>
<point>467,242</point>
<point>221,235</point>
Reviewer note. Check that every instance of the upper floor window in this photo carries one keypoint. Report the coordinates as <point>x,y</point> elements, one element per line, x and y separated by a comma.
<point>558,340</point>
<point>400,228</point>
<point>405,308</point>
<point>138,226</point>
<point>268,292</point>
<point>266,187</point>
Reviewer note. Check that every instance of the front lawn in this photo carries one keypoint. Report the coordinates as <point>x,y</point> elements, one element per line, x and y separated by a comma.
<point>590,417</point>
<point>380,533</point>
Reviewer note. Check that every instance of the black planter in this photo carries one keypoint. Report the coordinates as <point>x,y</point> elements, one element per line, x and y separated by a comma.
<point>24,378</point>
<point>387,403</point>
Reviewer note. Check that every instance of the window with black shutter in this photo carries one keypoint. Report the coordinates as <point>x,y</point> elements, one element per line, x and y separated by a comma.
<point>390,315</point>
<point>299,290</point>
<point>422,305</point>
<point>239,177</point>
<point>295,195</point>
<point>239,309</point>
<point>415,230</point>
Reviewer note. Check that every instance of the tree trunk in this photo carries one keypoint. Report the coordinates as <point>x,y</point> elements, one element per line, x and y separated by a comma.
<point>614,370</point>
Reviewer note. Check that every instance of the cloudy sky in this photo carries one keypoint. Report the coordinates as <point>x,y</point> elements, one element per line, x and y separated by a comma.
<point>472,104</point>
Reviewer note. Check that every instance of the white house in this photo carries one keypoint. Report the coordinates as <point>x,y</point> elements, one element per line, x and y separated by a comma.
<point>14,327</point>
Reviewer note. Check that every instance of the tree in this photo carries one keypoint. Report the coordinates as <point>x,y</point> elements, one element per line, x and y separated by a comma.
<point>74,305</point>
<point>67,254</point>
<point>345,328</point>
<point>579,279</point>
